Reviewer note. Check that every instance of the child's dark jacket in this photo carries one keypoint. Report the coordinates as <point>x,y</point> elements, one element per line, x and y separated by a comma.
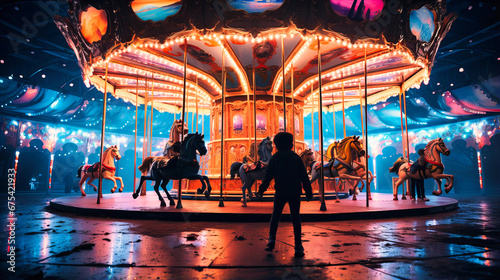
<point>289,174</point>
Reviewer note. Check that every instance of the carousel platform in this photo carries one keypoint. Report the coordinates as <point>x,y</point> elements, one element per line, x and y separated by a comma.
<point>122,205</point>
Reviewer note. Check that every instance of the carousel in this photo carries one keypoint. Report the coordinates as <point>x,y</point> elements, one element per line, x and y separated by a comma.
<point>256,68</point>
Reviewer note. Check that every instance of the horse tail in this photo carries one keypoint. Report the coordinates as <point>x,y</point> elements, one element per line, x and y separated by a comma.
<point>235,169</point>
<point>79,172</point>
<point>396,166</point>
<point>146,164</point>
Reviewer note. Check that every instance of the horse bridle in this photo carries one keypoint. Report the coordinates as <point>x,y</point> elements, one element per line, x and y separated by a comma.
<point>358,151</point>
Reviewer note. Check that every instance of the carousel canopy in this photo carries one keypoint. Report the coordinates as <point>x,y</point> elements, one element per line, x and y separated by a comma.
<point>141,45</point>
<point>122,49</point>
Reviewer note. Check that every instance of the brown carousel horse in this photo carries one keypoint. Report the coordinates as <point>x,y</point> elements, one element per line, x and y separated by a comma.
<point>340,166</point>
<point>172,148</point>
<point>108,170</point>
<point>433,168</point>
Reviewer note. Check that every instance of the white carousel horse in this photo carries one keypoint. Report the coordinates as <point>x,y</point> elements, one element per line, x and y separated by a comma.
<point>108,170</point>
<point>360,170</point>
<point>433,169</point>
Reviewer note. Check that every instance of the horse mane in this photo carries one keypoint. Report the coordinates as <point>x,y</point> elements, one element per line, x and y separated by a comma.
<point>330,150</point>
<point>303,156</point>
<point>186,140</point>
<point>252,150</point>
<point>341,147</point>
<point>259,150</point>
<point>397,164</point>
<point>174,135</point>
<point>428,150</point>
<point>105,153</point>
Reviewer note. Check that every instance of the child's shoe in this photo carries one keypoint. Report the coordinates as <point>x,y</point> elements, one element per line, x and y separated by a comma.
<point>270,246</point>
<point>299,251</point>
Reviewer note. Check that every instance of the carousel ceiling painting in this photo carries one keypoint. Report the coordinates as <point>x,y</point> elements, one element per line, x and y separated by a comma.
<point>358,10</point>
<point>422,24</point>
<point>155,10</point>
<point>136,50</point>
<point>255,6</point>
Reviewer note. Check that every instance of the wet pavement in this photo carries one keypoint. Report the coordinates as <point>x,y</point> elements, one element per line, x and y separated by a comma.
<point>460,244</point>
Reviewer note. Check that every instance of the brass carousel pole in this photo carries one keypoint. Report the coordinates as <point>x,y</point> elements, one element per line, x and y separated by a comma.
<point>366,131</point>
<point>144,139</point>
<point>221,201</point>
<point>343,106</point>
<point>103,130</point>
<point>274,114</point>
<point>187,109</point>
<point>192,117</point>
<point>254,112</point>
<point>334,125</point>
<point>284,85</point>
<point>406,124</point>
<point>361,109</point>
<point>312,120</point>
<point>249,136</point>
<point>152,110</point>
<point>402,125</point>
<point>293,111</point>
<point>320,120</point>
<point>196,100</point>
<point>179,190</point>
<point>135,131</point>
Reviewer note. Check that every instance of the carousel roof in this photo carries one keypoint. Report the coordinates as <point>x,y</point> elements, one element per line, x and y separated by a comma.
<point>144,45</point>
<point>131,54</point>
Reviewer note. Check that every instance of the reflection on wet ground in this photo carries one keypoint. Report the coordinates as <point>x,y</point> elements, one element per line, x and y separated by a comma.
<point>461,244</point>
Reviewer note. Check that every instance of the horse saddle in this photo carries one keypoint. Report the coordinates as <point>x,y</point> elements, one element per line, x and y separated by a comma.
<point>92,167</point>
<point>174,148</point>
<point>176,162</point>
<point>247,159</point>
<point>416,167</point>
<point>258,165</point>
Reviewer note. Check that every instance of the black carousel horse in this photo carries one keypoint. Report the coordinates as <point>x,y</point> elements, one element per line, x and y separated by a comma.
<point>256,171</point>
<point>184,166</point>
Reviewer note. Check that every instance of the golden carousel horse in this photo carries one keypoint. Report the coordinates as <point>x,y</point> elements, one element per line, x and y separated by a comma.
<point>340,165</point>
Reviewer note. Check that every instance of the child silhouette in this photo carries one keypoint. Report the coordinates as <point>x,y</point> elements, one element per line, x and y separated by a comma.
<point>290,176</point>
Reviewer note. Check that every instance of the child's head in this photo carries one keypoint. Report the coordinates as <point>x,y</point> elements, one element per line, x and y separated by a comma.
<point>421,152</point>
<point>283,141</point>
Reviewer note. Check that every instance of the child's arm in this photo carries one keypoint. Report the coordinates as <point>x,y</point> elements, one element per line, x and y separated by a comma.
<point>268,176</point>
<point>306,184</point>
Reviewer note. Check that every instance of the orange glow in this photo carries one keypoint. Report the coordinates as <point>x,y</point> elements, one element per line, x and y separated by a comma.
<point>94,24</point>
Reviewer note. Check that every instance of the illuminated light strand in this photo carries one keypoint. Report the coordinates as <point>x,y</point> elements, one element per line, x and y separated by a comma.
<point>192,35</point>
<point>357,68</point>
<point>454,100</point>
<point>148,56</point>
<point>230,56</point>
<point>158,85</point>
